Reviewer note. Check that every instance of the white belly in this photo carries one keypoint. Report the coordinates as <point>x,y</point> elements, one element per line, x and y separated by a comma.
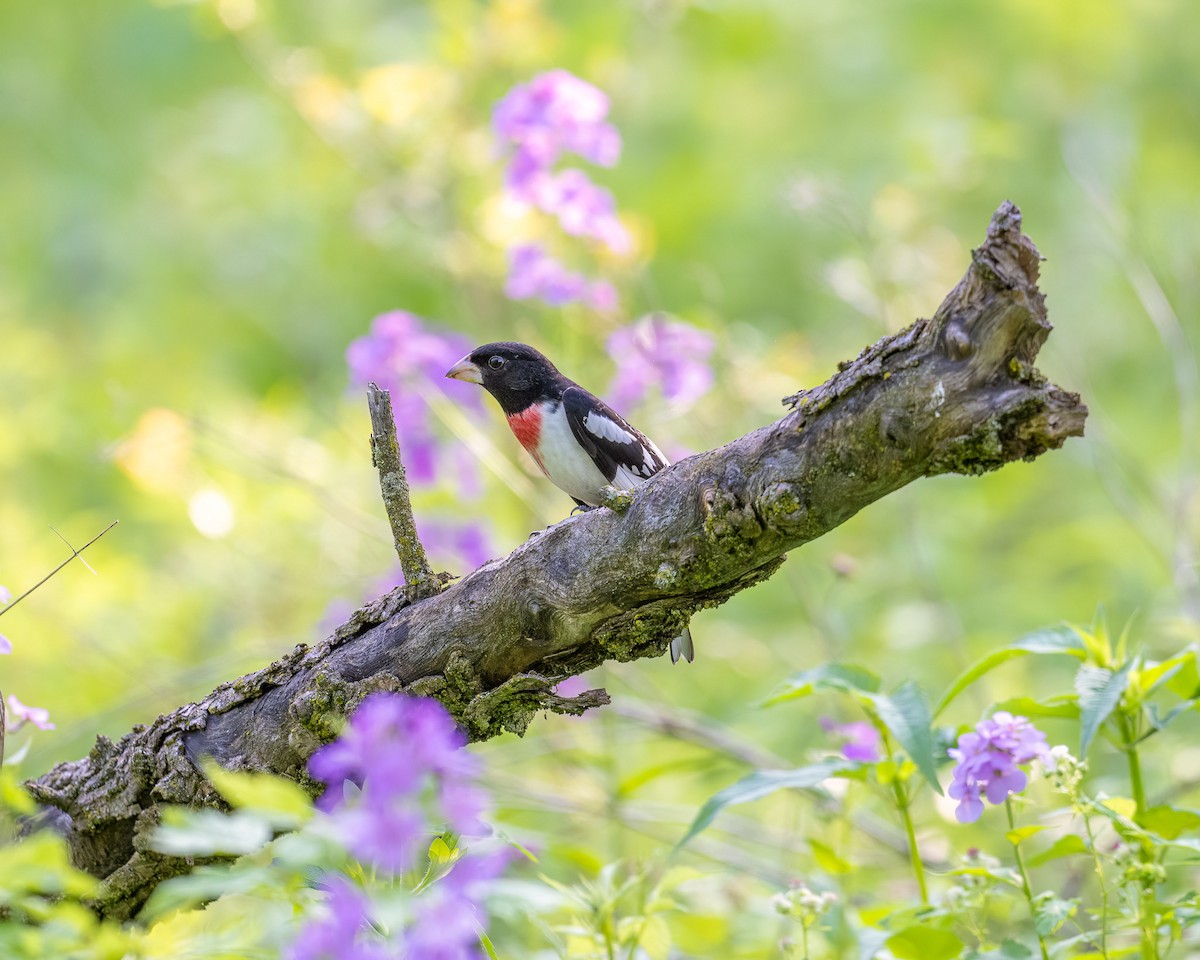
<point>565,461</point>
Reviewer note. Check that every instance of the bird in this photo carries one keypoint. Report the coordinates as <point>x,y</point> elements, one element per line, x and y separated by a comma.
<point>577,440</point>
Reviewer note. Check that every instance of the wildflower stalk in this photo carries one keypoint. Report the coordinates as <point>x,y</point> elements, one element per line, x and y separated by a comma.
<point>1025,888</point>
<point>1146,920</point>
<point>1096,862</point>
<point>903,804</point>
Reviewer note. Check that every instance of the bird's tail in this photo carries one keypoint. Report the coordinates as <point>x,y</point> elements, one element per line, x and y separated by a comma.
<point>681,646</point>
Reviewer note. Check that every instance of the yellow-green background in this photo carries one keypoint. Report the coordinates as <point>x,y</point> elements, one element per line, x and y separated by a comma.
<point>203,203</point>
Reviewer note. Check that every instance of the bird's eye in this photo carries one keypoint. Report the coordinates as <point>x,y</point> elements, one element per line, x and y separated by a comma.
<point>496,363</point>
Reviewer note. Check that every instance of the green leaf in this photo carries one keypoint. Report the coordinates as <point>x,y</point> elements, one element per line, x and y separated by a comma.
<point>1069,845</point>
<point>444,853</point>
<point>827,676</point>
<point>1051,912</point>
<point>828,859</point>
<point>924,943</point>
<point>1052,640</point>
<point>1099,692</point>
<point>1066,706</point>
<point>906,715</point>
<point>1169,822</point>
<point>1023,833</point>
<point>760,784</point>
<point>280,801</point>
<point>1154,675</point>
<point>204,884</point>
<point>488,947</point>
<point>200,833</point>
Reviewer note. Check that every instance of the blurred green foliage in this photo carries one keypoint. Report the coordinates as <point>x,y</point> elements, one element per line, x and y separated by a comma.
<point>204,202</point>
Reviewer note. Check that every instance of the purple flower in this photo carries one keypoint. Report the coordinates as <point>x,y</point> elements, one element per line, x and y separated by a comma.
<point>335,935</point>
<point>409,360</point>
<point>393,746</point>
<point>19,715</point>
<point>447,919</point>
<point>583,208</point>
<point>5,644</point>
<point>656,350</point>
<point>533,273</point>
<point>5,594</point>
<point>555,112</point>
<point>861,739</point>
<point>989,760</point>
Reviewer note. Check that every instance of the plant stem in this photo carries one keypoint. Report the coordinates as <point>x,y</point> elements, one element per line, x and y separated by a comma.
<point>1025,879</point>
<point>1146,921</point>
<point>804,940</point>
<point>1087,826</point>
<point>914,854</point>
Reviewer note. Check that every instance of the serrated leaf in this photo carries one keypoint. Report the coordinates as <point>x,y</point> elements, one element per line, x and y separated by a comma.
<point>906,715</point>
<point>1052,640</point>
<point>202,833</point>
<point>1051,912</point>
<point>760,784</point>
<point>1069,845</point>
<point>1099,692</point>
<point>280,801</point>
<point>1169,822</point>
<point>921,942</point>
<point>1023,833</point>
<point>827,676</point>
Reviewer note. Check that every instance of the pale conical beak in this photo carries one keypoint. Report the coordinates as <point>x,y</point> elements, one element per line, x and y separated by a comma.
<point>465,370</point>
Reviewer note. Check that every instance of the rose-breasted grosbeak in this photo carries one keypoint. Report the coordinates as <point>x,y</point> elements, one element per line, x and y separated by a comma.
<point>577,440</point>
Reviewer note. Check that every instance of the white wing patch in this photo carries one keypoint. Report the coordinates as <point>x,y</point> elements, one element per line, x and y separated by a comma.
<point>601,426</point>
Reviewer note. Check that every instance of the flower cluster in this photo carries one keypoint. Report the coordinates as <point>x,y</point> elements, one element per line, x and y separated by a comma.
<point>406,358</point>
<point>533,273</point>
<point>658,350</point>
<point>989,761</point>
<point>557,113</point>
<point>398,757</point>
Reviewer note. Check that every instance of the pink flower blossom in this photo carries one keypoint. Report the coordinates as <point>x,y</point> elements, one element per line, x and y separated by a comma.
<point>662,352</point>
<point>989,760</point>
<point>408,359</point>
<point>19,714</point>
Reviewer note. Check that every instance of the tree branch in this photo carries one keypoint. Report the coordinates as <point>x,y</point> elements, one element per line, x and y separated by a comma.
<point>393,484</point>
<point>957,393</point>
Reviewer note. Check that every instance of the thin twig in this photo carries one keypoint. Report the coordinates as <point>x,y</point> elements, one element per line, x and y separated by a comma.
<point>393,484</point>
<point>74,553</point>
<point>73,550</point>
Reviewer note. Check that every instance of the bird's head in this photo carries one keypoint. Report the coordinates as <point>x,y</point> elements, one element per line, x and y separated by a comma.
<point>514,373</point>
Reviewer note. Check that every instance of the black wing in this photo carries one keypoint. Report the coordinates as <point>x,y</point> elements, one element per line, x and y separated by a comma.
<point>623,454</point>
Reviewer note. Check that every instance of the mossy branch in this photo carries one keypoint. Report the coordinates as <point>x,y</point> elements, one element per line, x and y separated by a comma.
<point>393,484</point>
<point>955,393</point>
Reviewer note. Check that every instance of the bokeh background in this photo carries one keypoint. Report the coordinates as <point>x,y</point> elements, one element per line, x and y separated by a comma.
<point>205,203</point>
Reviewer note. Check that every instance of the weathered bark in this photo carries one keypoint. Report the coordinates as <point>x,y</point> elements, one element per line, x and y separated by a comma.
<point>954,394</point>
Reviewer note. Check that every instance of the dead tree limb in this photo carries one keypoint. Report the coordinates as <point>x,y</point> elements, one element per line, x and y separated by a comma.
<point>957,393</point>
<point>393,485</point>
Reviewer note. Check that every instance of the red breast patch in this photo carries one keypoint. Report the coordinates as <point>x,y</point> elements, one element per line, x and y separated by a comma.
<point>527,428</point>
